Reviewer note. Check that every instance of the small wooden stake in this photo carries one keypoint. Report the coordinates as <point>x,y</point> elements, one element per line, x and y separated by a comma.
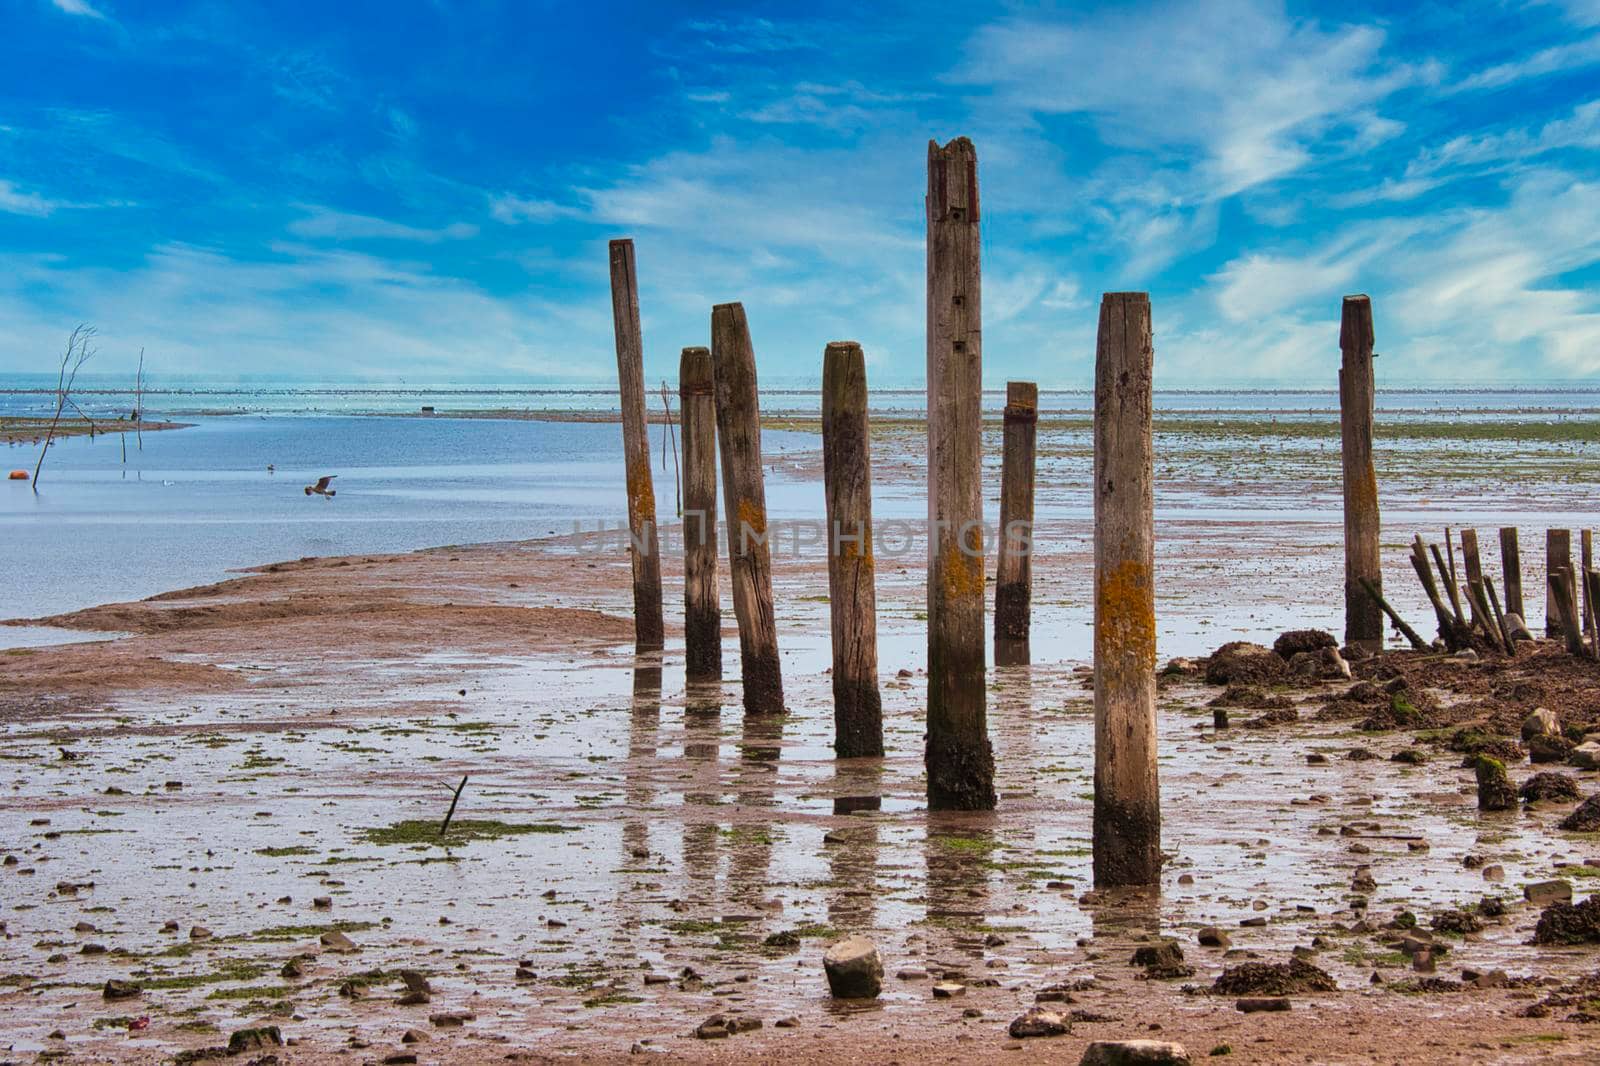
<point>847,481</point>
<point>1558,557</point>
<point>1411,635</point>
<point>1013,582</point>
<point>1447,576</point>
<point>1127,798</point>
<point>959,759</point>
<point>645,549</point>
<point>1564,598</point>
<point>702,605</point>
<point>745,499</point>
<point>1511,569</point>
<point>1586,558</point>
<point>1472,565</point>
<point>1499,618</point>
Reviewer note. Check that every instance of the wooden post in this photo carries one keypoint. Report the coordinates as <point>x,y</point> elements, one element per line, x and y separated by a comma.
<point>1472,567</point>
<point>1363,620</point>
<point>1013,581</point>
<point>847,480</point>
<point>1586,559</point>
<point>1558,557</point>
<point>745,506</point>
<point>1127,798</point>
<point>702,605</point>
<point>645,541</point>
<point>959,759</point>
<point>1511,570</point>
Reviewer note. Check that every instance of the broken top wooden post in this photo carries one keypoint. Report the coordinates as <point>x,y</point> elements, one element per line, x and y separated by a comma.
<point>1363,620</point>
<point>852,597</point>
<point>745,508</point>
<point>645,544</point>
<point>1013,580</point>
<point>702,607</point>
<point>1558,557</point>
<point>959,759</point>
<point>1127,797</point>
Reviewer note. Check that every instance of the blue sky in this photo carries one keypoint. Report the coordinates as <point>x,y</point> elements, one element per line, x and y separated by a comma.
<point>425,190</point>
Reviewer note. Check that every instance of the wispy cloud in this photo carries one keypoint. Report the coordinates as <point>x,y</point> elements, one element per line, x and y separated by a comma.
<point>322,223</point>
<point>79,7</point>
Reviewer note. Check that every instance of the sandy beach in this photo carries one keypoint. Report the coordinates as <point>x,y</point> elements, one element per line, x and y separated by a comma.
<point>267,760</point>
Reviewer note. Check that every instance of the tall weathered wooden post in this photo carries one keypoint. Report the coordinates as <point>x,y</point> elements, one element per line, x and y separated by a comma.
<point>959,759</point>
<point>745,508</point>
<point>852,595</point>
<point>1557,557</point>
<point>1013,581</point>
<point>1363,618</point>
<point>1511,568</point>
<point>645,539</point>
<point>702,606</point>
<point>1127,796</point>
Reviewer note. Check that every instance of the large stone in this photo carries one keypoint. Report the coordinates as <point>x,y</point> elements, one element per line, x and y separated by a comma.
<point>1039,1021</point>
<point>1586,756</point>
<point>722,1026</point>
<point>335,940</point>
<point>1134,1053</point>
<point>1586,819</point>
<point>1495,791</point>
<point>1545,749</point>
<point>1541,893</point>
<point>260,1039</point>
<point>1563,923</point>
<point>1240,662</point>
<point>1541,723</point>
<point>854,968</point>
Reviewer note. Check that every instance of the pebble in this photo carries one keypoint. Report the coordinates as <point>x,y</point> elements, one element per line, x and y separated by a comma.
<point>1036,1022</point>
<point>1135,1053</point>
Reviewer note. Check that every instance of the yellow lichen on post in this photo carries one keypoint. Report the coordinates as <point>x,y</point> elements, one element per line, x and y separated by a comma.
<point>963,573</point>
<point>753,516</point>
<point>1125,632</point>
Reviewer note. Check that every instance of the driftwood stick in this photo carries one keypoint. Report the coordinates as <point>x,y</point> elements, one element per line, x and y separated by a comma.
<point>451,813</point>
<point>1394,616</point>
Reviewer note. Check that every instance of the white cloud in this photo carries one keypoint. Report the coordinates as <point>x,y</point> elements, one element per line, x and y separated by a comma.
<point>322,223</point>
<point>79,7</point>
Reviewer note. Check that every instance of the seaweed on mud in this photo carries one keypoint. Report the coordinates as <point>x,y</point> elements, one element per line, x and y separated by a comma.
<point>1569,923</point>
<point>1273,979</point>
<point>424,832</point>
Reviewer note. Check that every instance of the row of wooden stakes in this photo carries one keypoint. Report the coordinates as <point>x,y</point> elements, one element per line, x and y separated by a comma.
<point>1570,607</point>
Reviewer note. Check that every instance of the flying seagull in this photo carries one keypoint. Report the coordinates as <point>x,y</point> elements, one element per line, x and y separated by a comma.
<point>321,487</point>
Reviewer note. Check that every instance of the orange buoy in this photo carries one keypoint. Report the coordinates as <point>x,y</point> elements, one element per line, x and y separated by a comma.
<point>18,475</point>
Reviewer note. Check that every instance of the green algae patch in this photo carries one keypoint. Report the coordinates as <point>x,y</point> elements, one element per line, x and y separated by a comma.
<point>417,832</point>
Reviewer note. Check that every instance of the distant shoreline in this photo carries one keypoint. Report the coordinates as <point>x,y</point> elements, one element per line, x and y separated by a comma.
<point>34,430</point>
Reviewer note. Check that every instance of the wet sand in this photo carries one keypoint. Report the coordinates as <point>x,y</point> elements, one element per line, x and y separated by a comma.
<point>294,734</point>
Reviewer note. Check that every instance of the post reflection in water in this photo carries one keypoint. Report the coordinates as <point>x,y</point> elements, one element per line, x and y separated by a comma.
<point>957,849</point>
<point>755,787</point>
<point>644,725</point>
<point>853,861</point>
<point>702,734</point>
